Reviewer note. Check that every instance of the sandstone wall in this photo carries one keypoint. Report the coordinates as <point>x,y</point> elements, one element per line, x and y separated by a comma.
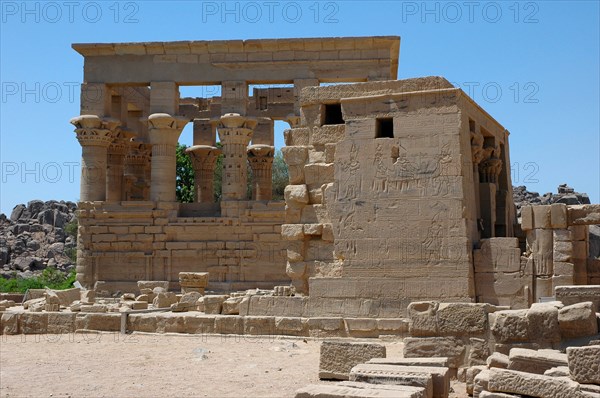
<point>120,244</point>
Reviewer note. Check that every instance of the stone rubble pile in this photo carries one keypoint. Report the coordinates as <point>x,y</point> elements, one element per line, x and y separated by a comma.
<point>34,237</point>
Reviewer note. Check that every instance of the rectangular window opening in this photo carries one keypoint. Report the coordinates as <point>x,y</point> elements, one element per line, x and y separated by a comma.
<point>333,114</point>
<point>384,128</point>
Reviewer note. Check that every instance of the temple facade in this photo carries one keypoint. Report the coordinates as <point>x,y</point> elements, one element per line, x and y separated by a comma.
<point>399,190</point>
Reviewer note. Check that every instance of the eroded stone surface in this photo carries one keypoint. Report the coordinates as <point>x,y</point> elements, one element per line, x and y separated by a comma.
<point>338,358</point>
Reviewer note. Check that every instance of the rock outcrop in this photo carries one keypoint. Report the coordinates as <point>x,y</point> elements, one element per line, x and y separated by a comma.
<point>35,237</point>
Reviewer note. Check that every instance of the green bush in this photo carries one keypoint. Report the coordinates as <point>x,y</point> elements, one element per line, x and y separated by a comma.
<point>50,277</point>
<point>71,228</point>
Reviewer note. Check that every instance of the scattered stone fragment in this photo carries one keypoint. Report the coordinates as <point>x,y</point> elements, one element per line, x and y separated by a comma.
<point>514,382</point>
<point>497,360</point>
<point>337,358</point>
<point>533,361</point>
<point>584,364</point>
<point>578,320</point>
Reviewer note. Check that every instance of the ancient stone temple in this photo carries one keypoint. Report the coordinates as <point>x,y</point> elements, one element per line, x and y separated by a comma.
<point>399,190</point>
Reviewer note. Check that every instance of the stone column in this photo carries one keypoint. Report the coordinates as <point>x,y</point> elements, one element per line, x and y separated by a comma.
<point>136,161</point>
<point>164,131</point>
<point>261,163</point>
<point>116,165</point>
<point>95,135</point>
<point>204,158</point>
<point>235,133</point>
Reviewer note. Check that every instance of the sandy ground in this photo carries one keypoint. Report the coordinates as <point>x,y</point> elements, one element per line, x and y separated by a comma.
<point>148,365</point>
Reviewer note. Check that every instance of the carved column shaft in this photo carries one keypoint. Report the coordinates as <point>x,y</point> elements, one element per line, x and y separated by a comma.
<point>164,131</point>
<point>235,133</point>
<point>203,159</point>
<point>136,180</point>
<point>95,135</point>
<point>260,158</point>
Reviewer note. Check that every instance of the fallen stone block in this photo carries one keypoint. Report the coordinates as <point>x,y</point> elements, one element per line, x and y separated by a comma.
<point>479,351</point>
<point>559,371</point>
<point>448,347</point>
<point>534,385</point>
<point>9,323</point>
<point>402,390</point>
<point>532,361</point>
<point>480,382</point>
<point>460,319</point>
<point>334,391</point>
<point>231,306</point>
<point>577,320</point>
<point>472,372</point>
<point>67,296</point>
<point>193,282</point>
<point>164,300</point>
<point>152,284</point>
<point>337,358</point>
<point>570,295</point>
<point>423,319</point>
<point>433,361</point>
<point>542,320</point>
<point>87,296</point>
<point>188,302</point>
<point>93,308</point>
<point>487,394</point>
<point>590,390</point>
<point>510,326</point>
<point>421,380</point>
<point>102,322</point>
<point>393,374</point>
<point>497,360</point>
<point>584,364</point>
<point>213,304</point>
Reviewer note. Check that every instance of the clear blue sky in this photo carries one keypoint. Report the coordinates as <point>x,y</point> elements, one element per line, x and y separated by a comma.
<point>534,66</point>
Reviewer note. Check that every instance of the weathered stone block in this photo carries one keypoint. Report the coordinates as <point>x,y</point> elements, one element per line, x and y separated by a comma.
<point>296,195</point>
<point>432,361</point>
<point>325,327</point>
<point>152,284</point>
<point>34,323</point>
<point>291,326</point>
<point>231,306</point>
<point>259,325</point>
<point>472,372</point>
<point>569,295</point>
<point>577,320</point>
<point>230,324</point>
<point>497,360</point>
<point>510,381</point>
<point>479,350</point>
<point>292,231</point>
<point>542,320</point>
<point>450,347</point>
<point>62,322</point>
<point>405,375</point>
<point>423,318</point>
<point>558,215</point>
<point>213,304</point>
<point>458,319</point>
<point>337,358</point>
<point>9,323</point>
<point>199,324</point>
<point>510,326</point>
<point>541,216</point>
<point>532,361</point>
<point>584,364</point>
<point>98,321</point>
<point>352,391</point>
